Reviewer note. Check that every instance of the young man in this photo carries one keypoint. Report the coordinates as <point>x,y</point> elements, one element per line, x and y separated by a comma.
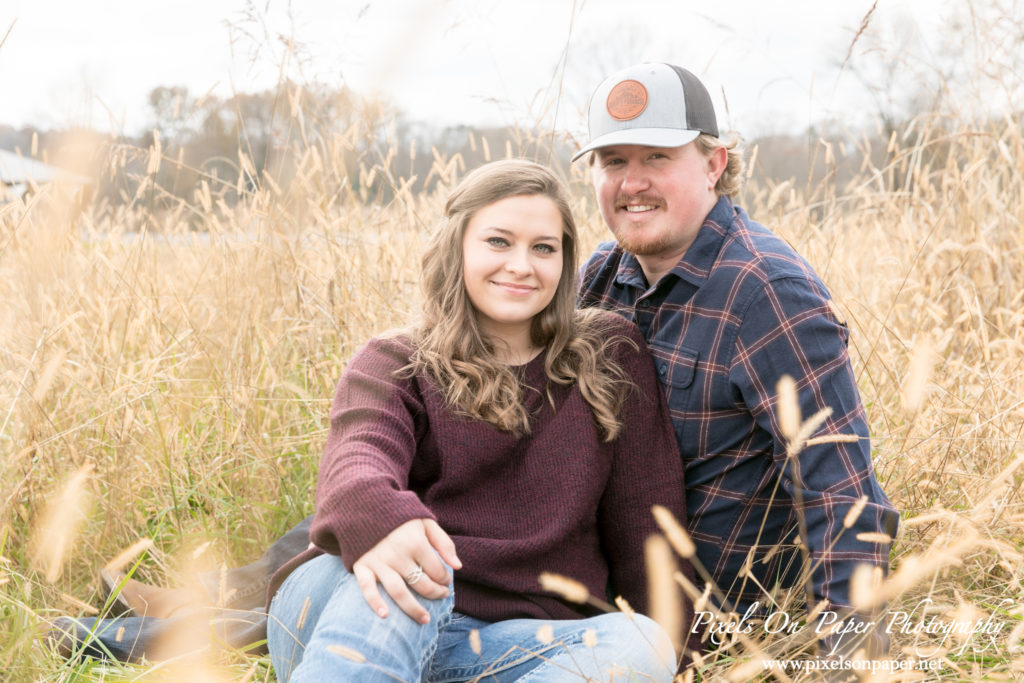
<point>727,309</point>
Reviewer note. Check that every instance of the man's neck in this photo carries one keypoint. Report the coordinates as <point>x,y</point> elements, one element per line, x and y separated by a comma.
<point>655,266</point>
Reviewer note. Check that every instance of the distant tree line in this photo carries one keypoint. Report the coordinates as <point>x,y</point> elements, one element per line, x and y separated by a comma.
<point>353,147</point>
<point>243,142</point>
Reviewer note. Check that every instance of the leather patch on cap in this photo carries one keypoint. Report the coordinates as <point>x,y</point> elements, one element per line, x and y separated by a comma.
<point>627,100</point>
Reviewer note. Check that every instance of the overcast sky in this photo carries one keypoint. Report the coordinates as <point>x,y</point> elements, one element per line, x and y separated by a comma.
<point>451,61</point>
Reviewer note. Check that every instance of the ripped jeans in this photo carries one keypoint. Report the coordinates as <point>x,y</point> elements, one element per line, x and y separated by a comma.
<point>320,628</point>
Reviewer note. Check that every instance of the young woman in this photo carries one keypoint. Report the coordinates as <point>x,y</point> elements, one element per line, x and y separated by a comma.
<point>504,435</point>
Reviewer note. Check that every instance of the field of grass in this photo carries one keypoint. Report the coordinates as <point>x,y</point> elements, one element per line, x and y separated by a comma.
<point>166,367</point>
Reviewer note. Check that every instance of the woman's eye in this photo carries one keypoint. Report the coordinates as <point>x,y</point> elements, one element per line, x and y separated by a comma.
<point>497,241</point>
<point>545,248</point>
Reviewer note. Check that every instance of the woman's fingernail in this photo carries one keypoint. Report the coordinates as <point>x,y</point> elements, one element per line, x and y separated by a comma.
<point>382,612</point>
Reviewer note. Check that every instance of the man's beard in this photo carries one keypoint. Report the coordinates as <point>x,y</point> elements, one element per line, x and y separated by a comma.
<point>652,245</point>
<point>641,247</point>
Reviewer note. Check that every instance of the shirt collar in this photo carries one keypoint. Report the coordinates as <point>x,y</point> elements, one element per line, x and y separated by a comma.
<point>695,265</point>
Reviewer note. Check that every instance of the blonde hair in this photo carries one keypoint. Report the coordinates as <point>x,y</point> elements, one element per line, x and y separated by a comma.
<point>731,180</point>
<point>452,350</point>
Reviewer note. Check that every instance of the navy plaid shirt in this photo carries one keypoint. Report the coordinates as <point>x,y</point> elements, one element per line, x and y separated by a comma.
<point>740,310</point>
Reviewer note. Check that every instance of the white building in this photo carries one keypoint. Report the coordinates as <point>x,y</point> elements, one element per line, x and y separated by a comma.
<point>18,172</point>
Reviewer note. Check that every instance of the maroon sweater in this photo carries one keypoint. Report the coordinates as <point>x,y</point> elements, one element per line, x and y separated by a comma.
<point>559,499</point>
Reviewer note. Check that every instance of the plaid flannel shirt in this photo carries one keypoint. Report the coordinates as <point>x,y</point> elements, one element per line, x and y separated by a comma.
<point>740,310</point>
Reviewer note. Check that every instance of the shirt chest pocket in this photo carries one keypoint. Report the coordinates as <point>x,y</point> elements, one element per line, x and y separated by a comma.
<point>676,368</point>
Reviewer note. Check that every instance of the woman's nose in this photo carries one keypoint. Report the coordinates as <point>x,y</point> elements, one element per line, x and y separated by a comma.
<point>518,262</point>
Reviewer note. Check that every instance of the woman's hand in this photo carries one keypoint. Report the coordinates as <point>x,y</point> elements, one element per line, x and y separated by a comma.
<point>417,543</point>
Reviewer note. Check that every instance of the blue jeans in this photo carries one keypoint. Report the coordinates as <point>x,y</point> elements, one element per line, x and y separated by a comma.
<point>320,629</point>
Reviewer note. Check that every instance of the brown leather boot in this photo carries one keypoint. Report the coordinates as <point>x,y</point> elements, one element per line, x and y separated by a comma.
<point>141,599</point>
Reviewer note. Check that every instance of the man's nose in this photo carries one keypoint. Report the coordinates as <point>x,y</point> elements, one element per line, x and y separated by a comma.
<point>635,179</point>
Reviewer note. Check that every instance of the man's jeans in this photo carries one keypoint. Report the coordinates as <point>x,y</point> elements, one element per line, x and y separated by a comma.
<point>241,622</point>
<point>322,629</point>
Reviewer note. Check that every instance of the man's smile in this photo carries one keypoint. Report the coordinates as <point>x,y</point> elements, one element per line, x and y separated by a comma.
<point>637,204</point>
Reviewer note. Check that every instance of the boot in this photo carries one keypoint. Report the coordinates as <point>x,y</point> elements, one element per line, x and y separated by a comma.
<point>135,598</point>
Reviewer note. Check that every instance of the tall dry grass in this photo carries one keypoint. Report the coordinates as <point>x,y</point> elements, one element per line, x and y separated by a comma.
<point>166,373</point>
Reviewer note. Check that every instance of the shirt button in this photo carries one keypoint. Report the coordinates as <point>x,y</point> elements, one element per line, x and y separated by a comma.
<point>662,370</point>
<point>645,304</point>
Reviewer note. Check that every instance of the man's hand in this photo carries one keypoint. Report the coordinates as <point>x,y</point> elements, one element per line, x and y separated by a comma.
<point>419,543</point>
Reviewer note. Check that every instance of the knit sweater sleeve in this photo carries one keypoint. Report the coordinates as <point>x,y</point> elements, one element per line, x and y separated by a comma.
<point>362,489</point>
<point>647,470</point>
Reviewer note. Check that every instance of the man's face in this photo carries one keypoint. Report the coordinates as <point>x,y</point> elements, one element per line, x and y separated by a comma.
<point>654,199</point>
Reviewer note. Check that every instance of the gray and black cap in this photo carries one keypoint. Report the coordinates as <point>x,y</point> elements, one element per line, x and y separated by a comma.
<point>655,105</point>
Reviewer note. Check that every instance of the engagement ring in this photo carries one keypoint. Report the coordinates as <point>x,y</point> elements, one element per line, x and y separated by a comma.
<point>414,576</point>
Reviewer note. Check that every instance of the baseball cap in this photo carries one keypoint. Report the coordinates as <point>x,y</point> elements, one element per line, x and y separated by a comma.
<point>656,105</point>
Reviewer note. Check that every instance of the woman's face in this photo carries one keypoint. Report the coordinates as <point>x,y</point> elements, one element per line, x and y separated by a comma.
<point>512,262</point>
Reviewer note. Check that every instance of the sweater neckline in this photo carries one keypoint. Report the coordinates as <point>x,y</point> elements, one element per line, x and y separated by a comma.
<point>535,363</point>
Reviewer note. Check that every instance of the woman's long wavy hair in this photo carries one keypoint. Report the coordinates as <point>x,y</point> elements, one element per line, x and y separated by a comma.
<point>453,351</point>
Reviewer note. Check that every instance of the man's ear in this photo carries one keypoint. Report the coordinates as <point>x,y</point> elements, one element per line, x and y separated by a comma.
<point>716,164</point>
